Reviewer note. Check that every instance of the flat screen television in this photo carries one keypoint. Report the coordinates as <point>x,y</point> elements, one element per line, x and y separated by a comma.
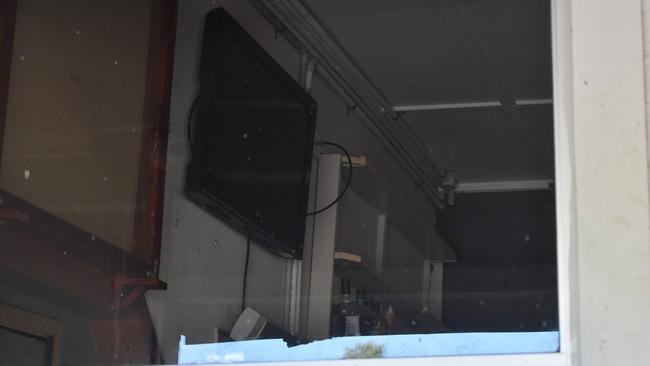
<point>252,139</point>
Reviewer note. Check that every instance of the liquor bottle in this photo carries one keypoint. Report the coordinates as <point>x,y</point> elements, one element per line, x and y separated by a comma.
<point>389,319</point>
<point>347,311</point>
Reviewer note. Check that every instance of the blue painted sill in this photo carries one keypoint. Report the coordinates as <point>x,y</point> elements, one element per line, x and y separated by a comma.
<point>412,345</point>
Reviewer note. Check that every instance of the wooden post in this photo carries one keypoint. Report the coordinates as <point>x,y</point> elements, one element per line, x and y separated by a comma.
<point>7,27</point>
<point>151,180</point>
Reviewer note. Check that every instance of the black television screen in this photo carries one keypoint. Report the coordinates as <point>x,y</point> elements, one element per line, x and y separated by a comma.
<point>252,139</point>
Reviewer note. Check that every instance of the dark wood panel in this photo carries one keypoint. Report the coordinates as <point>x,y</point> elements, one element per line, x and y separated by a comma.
<point>151,182</point>
<point>7,25</point>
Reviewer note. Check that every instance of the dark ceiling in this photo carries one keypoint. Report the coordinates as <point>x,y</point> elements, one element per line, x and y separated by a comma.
<point>423,52</point>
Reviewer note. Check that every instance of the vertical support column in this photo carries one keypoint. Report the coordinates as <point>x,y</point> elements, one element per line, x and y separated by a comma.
<point>318,260</point>
<point>432,285</point>
<point>611,175</point>
<point>292,301</point>
<point>382,229</point>
<point>305,268</point>
<point>147,234</point>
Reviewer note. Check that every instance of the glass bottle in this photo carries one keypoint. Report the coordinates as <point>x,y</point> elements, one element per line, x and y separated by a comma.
<point>350,316</point>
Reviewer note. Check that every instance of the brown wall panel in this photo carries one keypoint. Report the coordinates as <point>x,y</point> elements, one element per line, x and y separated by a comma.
<point>75,109</point>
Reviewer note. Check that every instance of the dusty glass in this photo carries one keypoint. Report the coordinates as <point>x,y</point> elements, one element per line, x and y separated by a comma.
<point>246,181</point>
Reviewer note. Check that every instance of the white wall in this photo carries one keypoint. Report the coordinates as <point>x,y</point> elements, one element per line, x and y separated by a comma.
<point>357,227</point>
<point>403,267</point>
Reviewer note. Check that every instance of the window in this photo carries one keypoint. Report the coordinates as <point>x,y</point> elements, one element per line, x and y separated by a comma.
<point>28,339</point>
<point>418,148</point>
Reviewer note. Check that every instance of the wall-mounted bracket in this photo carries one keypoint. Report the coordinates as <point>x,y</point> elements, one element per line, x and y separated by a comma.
<point>127,289</point>
<point>357,161</point>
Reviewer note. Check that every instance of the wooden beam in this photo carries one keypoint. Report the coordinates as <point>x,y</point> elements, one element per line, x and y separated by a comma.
<point>49,258</point>
<point>7,27</point>
<point>151,180</point>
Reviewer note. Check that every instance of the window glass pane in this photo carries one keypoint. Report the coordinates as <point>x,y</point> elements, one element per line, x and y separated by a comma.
<point>245,181</point>
<point>74,112</point>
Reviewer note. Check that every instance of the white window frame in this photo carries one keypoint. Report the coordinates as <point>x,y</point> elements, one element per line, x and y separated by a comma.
<point>561,32</point>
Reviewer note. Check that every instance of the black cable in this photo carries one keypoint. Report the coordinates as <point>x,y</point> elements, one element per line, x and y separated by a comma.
<point>189,119</point>
<point>245,276</point>
<point>347,184</point>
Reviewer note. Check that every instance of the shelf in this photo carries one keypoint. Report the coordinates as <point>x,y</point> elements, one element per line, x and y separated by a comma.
<point>362,310</point>
<point>406,212</point>
<point>409,318</point>
<point>362,276</point>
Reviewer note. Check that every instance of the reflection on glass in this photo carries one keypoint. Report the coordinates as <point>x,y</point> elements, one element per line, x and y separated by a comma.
<point>219,182</point>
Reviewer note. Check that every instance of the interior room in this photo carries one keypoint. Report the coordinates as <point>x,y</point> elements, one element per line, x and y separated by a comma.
<point>210,172</point>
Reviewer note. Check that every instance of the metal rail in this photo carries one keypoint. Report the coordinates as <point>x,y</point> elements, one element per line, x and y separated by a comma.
<point>299,27</point>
